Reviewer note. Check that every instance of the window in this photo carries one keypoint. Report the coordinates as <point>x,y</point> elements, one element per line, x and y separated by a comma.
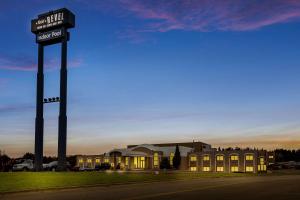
<point>193,158</point>
<point>249,169</point>
<point>80,160</point>
<point>262,168</point>
<point>126,161</point>
<point>142,162</point>
<point>97,160</point>
<point>139,162</point>
<point>234,157</point>
<point>89,160</point>
<point>249,157</point>
<point>193,169</point>
<point>106,160</point>
<point>220,169</point>
<point>171,158</point>
<point>262,160</point>
<point>135,162</point>
<point>220,158</point>
<point>118,159</point>
<point>155,160</point>
<point>112,164</point>
<point>271,157</point>
<point>206,158</point>
<point>234,168</point>
<point>206,169</point>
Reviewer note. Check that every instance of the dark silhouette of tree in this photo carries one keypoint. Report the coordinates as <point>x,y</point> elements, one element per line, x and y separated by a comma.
<point>28,156</point>
<point>48,159</point>
<point>5,162</point>
<point>177,158</point>
<point>165,164</point>
<point>72,160</point>
<point>283,155</point>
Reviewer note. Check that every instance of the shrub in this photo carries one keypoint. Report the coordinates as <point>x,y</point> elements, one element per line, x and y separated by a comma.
<point>165,164</point>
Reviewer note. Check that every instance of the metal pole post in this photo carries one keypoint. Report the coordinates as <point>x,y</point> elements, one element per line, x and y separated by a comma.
<point>39,120</point>
<point>62,126</point>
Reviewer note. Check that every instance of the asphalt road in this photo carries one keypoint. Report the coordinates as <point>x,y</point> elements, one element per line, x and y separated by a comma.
<point>243,188</point>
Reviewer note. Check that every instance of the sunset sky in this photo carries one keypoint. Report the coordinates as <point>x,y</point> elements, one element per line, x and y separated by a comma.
<point>224,72</point>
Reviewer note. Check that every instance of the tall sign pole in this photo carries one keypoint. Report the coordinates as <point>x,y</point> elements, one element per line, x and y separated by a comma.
<point>39,120</point>
<point>51,28</point>
<point>62,126</point>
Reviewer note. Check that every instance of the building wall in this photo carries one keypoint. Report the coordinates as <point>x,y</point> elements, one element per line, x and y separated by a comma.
<point>89,161</point>
<point>204,160</point>
<point>251,161</point>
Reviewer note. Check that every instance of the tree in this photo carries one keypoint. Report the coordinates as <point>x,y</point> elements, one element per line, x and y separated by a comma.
<point>177,158</point>
<point>72,161</point>
<point>5,162</point>
<point>28,156</point>
<point>165,164</point>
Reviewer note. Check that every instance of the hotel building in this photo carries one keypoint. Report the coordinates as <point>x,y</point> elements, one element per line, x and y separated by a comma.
<point>195,156</point>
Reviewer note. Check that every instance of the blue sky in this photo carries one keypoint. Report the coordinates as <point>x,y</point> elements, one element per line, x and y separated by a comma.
<point>221,72</point>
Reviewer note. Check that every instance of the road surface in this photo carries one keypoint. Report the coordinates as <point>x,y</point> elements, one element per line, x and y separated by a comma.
<point>231,188</point>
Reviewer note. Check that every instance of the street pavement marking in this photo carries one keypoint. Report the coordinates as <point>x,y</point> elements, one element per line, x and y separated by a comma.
<point>176,192</point>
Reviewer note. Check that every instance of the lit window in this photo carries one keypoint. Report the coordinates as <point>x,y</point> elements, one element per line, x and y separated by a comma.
<point>89,160</point>
<point>234,168</point>
<point>126,161</point>
<point>262,168</point>
<point>220,169</point>
<point>142,165</point>
<point>80,160</point>
<point>135,162</point>
<point>171,158</point>
<point>106,160</point>
<point>220,158</point>
<point>193,158</point>
<point>206,169</point>
<point>193,169</point>
<point>118,159</point>
<point>139,162</point>
<point>271,157</point>
<point>249,157</point>
<point>249,169</point>
<point>112,164</point>
<point>206,158</point>
<point>261,160</point>
<point>97,160</point>
<point>155,160</point>
<point>234,157</point>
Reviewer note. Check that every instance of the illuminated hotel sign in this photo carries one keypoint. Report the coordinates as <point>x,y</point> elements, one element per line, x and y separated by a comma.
<point>50,37</point>
<point>53,19</point>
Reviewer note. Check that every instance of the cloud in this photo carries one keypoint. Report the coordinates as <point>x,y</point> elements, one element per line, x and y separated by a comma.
<point>212,15</point>
<point>195,15</point>
<point>27,63</point>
